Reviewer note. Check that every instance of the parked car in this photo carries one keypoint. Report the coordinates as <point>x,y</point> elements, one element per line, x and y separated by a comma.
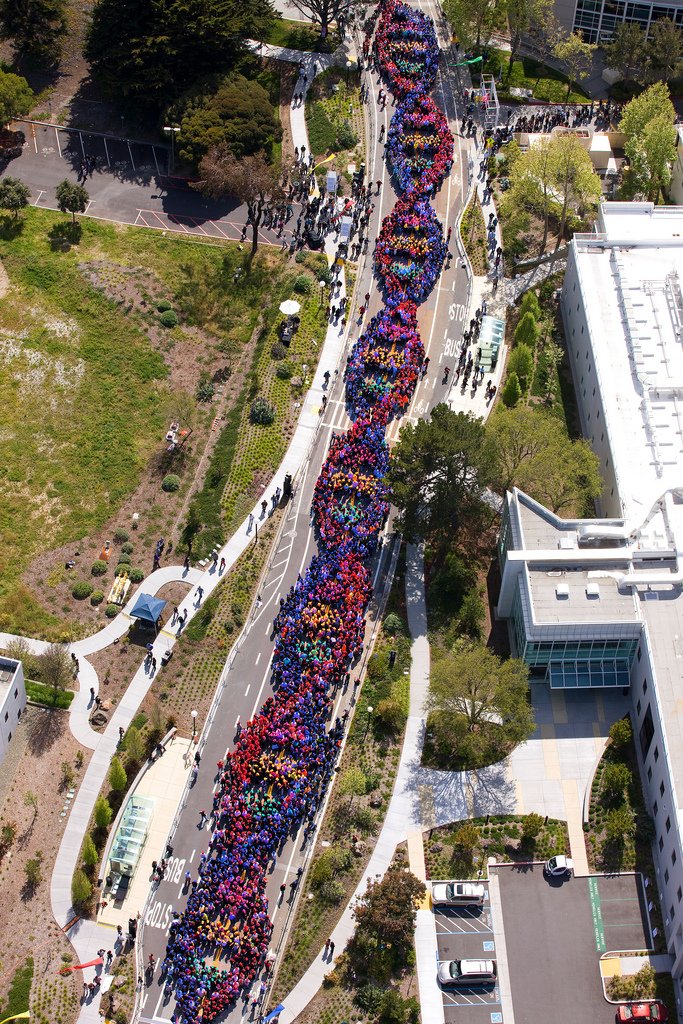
<point>466,973</point>
<point>647,1011</point>
<point>458,894</point>
<point>558,866</point>
<point>11,143</point>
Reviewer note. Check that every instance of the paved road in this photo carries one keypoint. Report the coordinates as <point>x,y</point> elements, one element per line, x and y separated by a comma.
<point>248,680</point>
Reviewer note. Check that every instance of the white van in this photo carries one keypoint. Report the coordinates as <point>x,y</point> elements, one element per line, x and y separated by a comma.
<point>463,973</point>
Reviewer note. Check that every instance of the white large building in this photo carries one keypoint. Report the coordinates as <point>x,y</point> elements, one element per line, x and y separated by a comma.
<point>599,603</point>
<point>12,700</point>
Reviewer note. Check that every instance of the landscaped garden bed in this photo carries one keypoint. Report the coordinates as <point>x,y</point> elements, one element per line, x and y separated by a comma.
<point>462,849</point>
<point>334,121</point>
<point>473,234</point>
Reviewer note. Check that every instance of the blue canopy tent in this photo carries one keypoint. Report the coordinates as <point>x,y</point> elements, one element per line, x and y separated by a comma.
<point>148,609</point>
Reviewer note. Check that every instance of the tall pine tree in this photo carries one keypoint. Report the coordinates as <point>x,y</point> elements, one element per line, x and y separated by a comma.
<point>151,51</point>
<point>35,27</point>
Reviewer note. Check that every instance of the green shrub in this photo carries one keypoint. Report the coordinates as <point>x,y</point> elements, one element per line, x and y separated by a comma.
<point>97,597</point>
<point>262,411</point>
<point>111,611</point>
<point>346,137</point>
<point>163,306</point>
<point>81,590</point>
<point>390,717</point>
<point>521,363</point>
<point>321,134</point>
<point>332,861</point>
<point>81,890</point>
<point>529,304</point>
<point>123,568</point>
<point>124,558</point>
<point>303,284</point>
<point>369,998</point>
<point>331,892</point>
<point>394,625</point>
<point>103,812</point>
<point>205,389</point>
<point>120,535</point>
<point>285,371</point>
<point>170,483</point>
<point>512,391</point>
<point>364,820</point>
<point>169,318</point>
<point>279,351</point>
<point>526,331</point>
<point>136,575</point>
<point>621,733</point>
<point>99,567</point>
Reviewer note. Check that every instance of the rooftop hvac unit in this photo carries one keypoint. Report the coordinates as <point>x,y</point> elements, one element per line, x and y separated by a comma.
<point>592,590</point>
<point>562,590</point>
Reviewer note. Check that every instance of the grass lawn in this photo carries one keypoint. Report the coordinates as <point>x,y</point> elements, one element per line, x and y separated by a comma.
<point>526,73</point>
<point>17,999</point>
<point>300,35</point>
<point>41,694</point>
<point>88,386</point>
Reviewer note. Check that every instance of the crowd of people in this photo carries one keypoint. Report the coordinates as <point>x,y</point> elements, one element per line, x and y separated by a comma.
<point>410,251</point>
<point>419,145</point>
<point>350,501</point>
<point>273,780</point>
<point>406,49</point>
<point>383,367</point>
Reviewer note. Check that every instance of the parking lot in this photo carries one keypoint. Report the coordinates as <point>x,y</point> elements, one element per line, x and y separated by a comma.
<point>555,931</point>
<point>467,932</point>
<point>137,161</point>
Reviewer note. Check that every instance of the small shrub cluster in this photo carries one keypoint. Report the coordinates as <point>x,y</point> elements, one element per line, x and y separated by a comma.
<point>262,411</point>
<point>170,483</point>
<point>81,590</point>
<point>99,567</point>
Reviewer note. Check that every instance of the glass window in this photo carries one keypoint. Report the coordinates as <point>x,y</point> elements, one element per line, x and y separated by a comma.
<point>647,731</point>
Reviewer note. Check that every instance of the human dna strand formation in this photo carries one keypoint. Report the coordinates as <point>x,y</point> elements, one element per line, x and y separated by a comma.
<point>276,776</point>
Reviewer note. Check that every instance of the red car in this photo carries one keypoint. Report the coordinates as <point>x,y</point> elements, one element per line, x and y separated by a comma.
<point>635,1012</point>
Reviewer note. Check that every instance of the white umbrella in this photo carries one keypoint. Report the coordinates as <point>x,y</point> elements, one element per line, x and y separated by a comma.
<point>289,307</point>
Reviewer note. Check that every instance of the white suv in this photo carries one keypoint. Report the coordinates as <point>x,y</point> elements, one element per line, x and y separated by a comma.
<point>458,894</point>
<point>466,973</point>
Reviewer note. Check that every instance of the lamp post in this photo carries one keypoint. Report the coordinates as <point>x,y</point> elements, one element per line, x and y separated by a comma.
<point>194,725</point>
<point>321,285</point>
<point>349,65</point>
<point>172,131</point>
<point>367,724</point>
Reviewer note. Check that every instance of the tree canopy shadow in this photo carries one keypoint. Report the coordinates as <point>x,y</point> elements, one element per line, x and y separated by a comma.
<point>45,729</point>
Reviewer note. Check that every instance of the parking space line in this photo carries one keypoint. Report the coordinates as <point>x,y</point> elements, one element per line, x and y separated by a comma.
<point>106,151</point>
<point>80,135</point>
<point>154,154</point>
<point>131,154</point>
<point>59,148</point>
<point>41,192</point>
<point>35,141</point>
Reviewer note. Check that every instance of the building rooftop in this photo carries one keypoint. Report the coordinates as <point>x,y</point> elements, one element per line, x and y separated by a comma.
<point>578,594</point>
<point>8,670</point>
<point>631,276</point>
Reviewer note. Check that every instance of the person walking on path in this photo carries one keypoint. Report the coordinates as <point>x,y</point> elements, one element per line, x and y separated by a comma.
<point>331,949</point>
<point>200,594</point>
<point>327,949</point>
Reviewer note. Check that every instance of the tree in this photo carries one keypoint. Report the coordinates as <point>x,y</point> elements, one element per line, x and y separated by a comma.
<point>512,391</point>
<point>627,53</point>
<point>475,695</point>
<point>615,779</point>
<point>526,331</point>
<point>664,50</point>
<point>71,198</point>
<point>386,912</point>
<point>8,833</point>
<point>529,304</point>
<point>90,854</point>
<point>31,801</point>
<point>81,890</point>
<point>535,453</point>
<point>249,180</point>
<point>103,812</point>
<point>531,179</point>
<point>523,15</point>
<point>521,363</point>
<point>55,667</point>
<point>531,826</point>
<point>152,51</point>
<point>621,733</point>
<point>620,825</point>
<point>324,12</point>
<point>352,783</point>
<point>36,28</point>
<point>33,872</point>
<point>14,195</point>
<point>233,111</point>
<point>648,124</point>
<point>68,775</point>
<point>575,182</point>
<point>135,748</point>
<point>16,97</point>
<point>466,839</point>
<point>193,524</point>
<point>577,56</point>
<point>438,471</point>
<point>473,20</point>
<point>117,775</point>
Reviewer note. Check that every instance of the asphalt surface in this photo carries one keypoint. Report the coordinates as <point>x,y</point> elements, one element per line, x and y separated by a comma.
<point>247,682</point>
<point>467,933</point>
<point>553,945</point>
